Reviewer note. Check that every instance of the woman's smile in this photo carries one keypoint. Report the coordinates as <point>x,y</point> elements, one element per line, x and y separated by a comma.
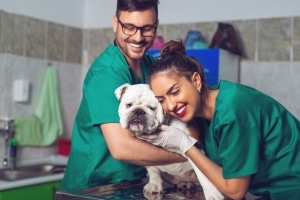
<point>180,112</point>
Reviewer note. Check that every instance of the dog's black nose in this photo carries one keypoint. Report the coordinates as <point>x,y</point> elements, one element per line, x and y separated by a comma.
<point>139,112</point>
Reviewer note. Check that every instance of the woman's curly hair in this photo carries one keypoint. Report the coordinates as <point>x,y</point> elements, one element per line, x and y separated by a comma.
<point>173,57</point>
<point>174,61</point>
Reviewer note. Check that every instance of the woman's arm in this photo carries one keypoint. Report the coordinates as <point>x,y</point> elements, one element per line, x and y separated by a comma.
<point>128,148</point>
<point>235,188</point>
<point>171,137</point>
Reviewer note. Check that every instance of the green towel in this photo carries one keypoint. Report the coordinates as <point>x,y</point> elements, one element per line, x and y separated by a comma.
<point>48,115</point>
<point>28,131</point>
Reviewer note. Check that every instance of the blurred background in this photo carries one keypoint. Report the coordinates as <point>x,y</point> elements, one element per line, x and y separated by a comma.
<point>69,35</point>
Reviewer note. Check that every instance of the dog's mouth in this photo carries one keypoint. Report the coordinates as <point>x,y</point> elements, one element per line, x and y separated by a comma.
<point>137,125</point>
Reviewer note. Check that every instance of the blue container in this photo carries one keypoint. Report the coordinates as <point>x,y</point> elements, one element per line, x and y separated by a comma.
<point>194,40</point>
<point>209,58</point>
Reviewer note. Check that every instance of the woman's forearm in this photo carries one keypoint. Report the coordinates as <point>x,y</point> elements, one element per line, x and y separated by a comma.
<point>234,188</point>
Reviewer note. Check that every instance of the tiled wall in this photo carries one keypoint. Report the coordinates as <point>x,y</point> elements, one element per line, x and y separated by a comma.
<point>275,39</point>
<point>34,38</point>
<point>271,61</point>
<point>27,46</point>
<point>271,52</point>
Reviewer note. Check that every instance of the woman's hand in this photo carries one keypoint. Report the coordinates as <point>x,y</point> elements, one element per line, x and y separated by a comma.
<point>170,137</point>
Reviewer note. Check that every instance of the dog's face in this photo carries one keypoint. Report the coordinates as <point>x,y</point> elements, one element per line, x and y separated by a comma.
<point>139,110</point>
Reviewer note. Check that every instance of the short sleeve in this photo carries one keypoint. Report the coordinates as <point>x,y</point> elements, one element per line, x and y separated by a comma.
<point>238,152</point>
<point>99,91</point>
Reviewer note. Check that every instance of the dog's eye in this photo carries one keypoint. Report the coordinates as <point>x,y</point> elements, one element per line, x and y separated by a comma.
<point>152,108</point>
<point>128,105</point>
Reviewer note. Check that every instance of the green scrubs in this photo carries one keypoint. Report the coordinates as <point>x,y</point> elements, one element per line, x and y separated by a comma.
<point>90,162</point>
<point>252,134</point>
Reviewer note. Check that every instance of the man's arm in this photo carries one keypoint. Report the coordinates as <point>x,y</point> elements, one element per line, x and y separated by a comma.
<point>127,148</point>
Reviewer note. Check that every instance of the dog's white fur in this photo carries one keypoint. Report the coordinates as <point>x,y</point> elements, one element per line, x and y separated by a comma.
<point>141,112</point>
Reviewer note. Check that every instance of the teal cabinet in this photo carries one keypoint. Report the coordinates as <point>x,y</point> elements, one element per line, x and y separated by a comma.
<point>45,191</point>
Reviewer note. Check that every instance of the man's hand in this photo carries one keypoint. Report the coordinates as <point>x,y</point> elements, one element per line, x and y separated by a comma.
<point>170,137</point>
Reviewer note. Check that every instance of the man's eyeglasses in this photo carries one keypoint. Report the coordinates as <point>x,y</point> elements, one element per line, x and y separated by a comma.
<point>130,29</point>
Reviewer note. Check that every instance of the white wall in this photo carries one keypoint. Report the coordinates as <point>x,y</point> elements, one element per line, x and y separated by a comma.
<point>98,13</point>
<point>68,12</point>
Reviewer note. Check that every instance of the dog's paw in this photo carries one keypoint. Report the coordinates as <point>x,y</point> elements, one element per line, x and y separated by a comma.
<point>185,185</point>
<point>152,188</point>
<point>213,194</point>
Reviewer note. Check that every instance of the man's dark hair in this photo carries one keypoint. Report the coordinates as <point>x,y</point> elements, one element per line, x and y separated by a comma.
<point>136,5</point>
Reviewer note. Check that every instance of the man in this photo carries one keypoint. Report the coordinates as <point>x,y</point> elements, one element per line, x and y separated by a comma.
<point>102,152</point>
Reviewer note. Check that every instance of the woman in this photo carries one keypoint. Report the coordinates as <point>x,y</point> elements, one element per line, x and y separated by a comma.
<point>250,140</point>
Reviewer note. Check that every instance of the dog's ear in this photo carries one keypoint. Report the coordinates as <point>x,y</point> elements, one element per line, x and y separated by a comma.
<point>167,118</point>
<point>121,90</point>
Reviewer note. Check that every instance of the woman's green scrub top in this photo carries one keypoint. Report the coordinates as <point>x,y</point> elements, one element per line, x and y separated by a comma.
<point>252,134</point>
<point>90,162</point>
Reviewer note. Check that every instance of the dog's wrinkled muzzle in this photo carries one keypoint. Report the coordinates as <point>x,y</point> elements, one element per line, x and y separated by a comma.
<point>137,125</point>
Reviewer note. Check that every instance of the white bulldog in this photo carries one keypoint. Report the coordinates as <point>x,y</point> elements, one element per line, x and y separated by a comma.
<point>140,111</point>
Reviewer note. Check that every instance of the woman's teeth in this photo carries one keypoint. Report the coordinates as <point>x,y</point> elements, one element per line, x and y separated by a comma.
<point>178,112</point>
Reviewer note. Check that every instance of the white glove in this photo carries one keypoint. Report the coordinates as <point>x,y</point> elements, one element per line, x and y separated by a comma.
<point>170,137</point>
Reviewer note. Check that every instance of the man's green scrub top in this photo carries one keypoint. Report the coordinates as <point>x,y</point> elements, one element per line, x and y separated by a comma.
<point>252,134</point>
<point>90,162</point>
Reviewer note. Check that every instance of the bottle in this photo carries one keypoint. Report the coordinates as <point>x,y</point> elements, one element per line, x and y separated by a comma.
<point>13,152</point>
